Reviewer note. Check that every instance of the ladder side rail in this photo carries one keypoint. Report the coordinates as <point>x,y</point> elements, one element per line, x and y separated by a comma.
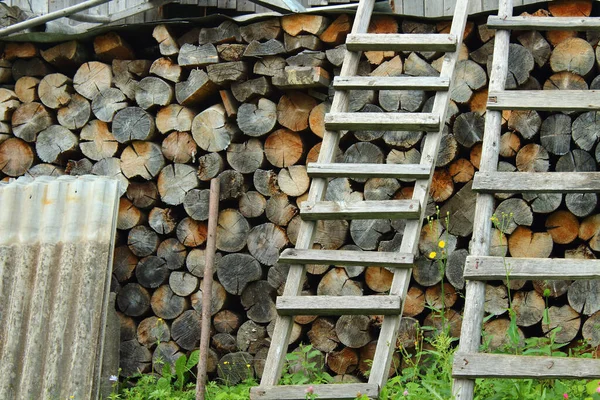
<point>463,389</point>
<point>293,287</point>
<point>391,323</point>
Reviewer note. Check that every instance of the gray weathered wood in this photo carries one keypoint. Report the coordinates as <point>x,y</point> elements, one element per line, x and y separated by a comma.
<point>345,391</point>
<point>390,209</point>
<point>492,268</point>
<point>391,82</point>
<point>470,339</point>
<point>529,23</point>
<point>547,100</point>
<point>471,366</point>
<point>343,170</point>
<point>389,121</point>
<point>401,42</point>
<point>338,305</point>
<point>537,182</point>
<point>346,257</point>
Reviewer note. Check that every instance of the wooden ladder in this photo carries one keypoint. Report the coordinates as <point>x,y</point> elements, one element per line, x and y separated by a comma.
<point>338,120</point>
<point>479,266</point>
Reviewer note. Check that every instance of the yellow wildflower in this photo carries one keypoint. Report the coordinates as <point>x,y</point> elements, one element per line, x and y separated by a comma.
<point>441,244</point>
<point>225,362</point>
<point>432,254</point>
<point>248,365</point>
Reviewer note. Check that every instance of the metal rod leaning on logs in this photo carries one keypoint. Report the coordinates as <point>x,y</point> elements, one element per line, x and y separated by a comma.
<point>213,214</point>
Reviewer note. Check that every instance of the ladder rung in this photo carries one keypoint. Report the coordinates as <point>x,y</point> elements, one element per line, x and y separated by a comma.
<point>401,42</point>
<point>345,391</point>
<point>370,209</point>
<point>342,170</point>
<point>339,305</point>
<point>391,82</point>
<point>482,268</point>
<point>347,257</point>
<point>537,182</point>
<point>471,366</point>
<point>545,100</point>
<point>383,121</point>
<point>544,23</point>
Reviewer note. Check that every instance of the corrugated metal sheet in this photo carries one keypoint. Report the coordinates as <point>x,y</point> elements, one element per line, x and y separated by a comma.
<point>56,245</point>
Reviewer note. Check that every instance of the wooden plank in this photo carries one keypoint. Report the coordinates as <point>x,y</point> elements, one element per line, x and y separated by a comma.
<point>345,391</point>
<point>415,7</point>
<point>329,148</point>
<point>412,231</point>
<point>545,23</point>
<point>347,257</point>
<point>470,338</point>
<point>544,100</point>
<point>401,42</point>
<point>434,9</point>
<point>383,121</point>
<point>391,82</point>
<point>343,170</point>
<point>483,268</point>
<point>537,182</point>
<point>339,305</point>
<point>471,366</point>
<point>370,209</point>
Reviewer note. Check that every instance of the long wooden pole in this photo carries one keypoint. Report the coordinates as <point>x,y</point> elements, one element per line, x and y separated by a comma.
<point>207,283</point>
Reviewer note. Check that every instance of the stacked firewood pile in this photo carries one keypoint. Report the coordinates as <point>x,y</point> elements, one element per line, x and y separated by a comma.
<point>246,104</point>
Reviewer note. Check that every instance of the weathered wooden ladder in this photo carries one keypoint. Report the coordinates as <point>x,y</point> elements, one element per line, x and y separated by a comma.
<point>479,267</point>
<point>338,120</point>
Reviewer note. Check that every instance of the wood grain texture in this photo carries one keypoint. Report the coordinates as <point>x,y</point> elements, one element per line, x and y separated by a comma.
<point>338,305</point>
<point>508,366</point>
<point>536,182</point>
<point>492,268</point>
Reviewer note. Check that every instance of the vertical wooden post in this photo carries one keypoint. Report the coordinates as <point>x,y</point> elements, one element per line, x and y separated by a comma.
<point>211,240</point>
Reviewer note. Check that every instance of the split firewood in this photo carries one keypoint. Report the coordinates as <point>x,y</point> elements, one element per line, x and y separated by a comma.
<point>263,30</point>
<point>166,42</point>
<point>165,68</point>
<point>91,78</point>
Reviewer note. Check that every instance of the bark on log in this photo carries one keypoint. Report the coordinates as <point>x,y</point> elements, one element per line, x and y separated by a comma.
<point>232,185</point>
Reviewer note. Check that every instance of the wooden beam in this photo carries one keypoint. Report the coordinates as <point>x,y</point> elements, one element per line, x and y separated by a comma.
<point>544,23</point>
<point>391,82</point>
<point>401,42</point>
<point>545,100</point>
<point>383,121</point>
<point>347,257</point>
<point>339,305</point>
<point>381,209</point>
<point>482,268</point>
<point>343,170</point>
<point>537,182</point>
<point>346,391</point>
<point>471,366</point>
